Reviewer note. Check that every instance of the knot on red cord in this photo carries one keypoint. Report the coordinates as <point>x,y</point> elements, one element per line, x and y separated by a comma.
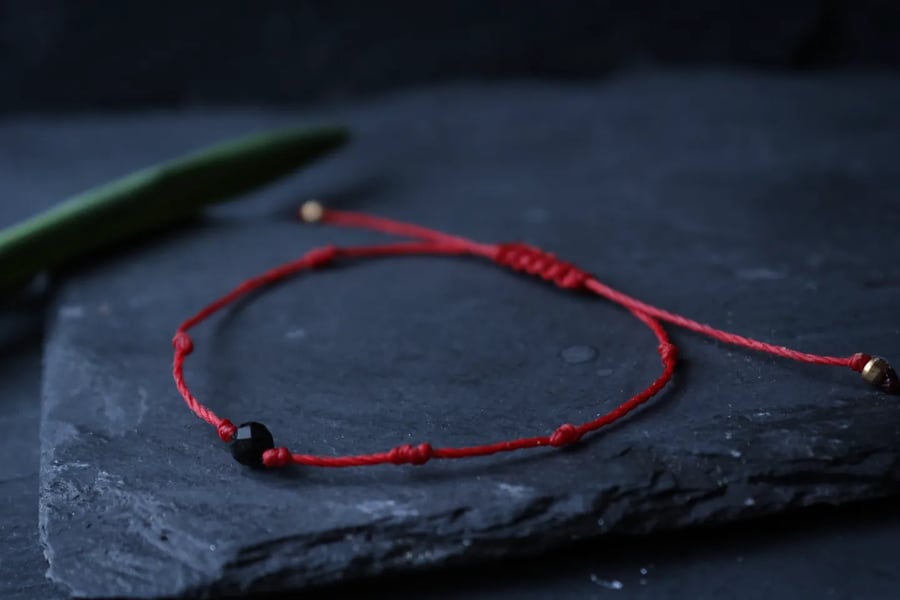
<point>534,261</point>
<point>411,455</point>
<point>858,361</point>
<point>226,430</point>
<point>318,257</point>
<point>277,457</point>
<point>183,343</point>
<point>668,353</point>
<point>564,435</point>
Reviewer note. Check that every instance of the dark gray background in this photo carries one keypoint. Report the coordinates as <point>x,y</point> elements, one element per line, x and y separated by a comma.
<point>56,54</point>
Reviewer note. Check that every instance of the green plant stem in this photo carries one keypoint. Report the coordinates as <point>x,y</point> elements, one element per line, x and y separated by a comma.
<point>154,198</point>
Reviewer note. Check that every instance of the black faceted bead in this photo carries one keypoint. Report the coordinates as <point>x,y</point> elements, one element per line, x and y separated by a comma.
<point>249,442</point>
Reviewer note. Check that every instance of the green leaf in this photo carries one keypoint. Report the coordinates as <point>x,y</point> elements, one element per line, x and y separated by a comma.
<point>156,197</point>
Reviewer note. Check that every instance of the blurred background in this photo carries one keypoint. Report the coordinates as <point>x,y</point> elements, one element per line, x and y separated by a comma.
<point>103,54</point>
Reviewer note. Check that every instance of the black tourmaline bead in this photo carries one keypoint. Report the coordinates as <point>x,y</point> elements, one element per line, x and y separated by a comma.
<point>249,442</point>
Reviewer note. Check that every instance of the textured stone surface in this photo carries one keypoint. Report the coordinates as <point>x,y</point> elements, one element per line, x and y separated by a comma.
<point>846,553</point>
<point>22,565</point>
<point>728,198</point>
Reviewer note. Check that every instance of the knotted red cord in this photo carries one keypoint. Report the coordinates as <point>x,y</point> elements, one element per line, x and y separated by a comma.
<point>518,257</point>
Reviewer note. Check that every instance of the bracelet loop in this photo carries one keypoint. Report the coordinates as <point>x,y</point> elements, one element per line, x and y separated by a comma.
<point>253,445</point>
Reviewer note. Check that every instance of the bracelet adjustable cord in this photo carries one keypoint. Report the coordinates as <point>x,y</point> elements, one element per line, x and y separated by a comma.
<point>252,444</point>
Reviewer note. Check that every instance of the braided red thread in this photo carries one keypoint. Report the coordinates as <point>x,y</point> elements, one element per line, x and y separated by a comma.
<point>183,343</point>
<point>534,261</point>
<point>226,430</point>
<point>517,256</point>
<point>717,334</point>
<point>564,435</point>
<point>277,457</point>
<point>319,257</point>
<point>183,347</point>
<point>668,352</point>
<point>412,455</point>
<point>859,360</point>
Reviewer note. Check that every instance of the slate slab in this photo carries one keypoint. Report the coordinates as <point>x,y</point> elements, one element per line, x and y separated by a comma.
<point>846,552</point>
<point>22,564</point>
<point>726,197</point>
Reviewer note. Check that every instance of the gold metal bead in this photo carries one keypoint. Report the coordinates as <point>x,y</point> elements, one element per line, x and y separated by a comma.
<point>876,371</point>
<point>312,211</point>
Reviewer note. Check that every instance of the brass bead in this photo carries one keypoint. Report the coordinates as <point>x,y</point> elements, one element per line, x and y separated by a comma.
<point>876,371</point>
<point>312,211</point>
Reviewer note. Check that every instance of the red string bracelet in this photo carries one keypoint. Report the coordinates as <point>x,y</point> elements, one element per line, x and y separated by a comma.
<point>252,443</point>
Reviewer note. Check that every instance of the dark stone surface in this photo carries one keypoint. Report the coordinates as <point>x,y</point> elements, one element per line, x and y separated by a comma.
<point>61,55</point>
<point>22,565</point>
<point>847,553</point>
<point>726,197</point>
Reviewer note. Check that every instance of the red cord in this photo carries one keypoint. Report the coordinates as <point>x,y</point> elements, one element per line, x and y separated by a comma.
<point>516,256</point>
